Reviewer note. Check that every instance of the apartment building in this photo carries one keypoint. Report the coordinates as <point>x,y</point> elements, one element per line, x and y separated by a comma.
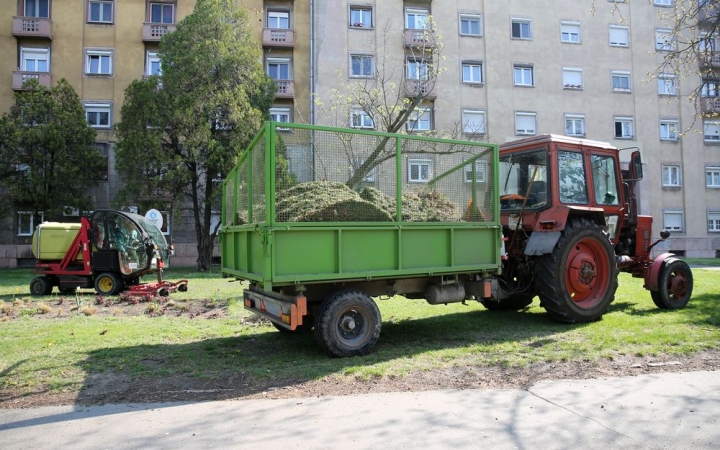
<point>511,69</point>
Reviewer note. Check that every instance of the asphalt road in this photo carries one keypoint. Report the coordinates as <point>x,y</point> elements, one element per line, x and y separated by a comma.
<point>662,411</point>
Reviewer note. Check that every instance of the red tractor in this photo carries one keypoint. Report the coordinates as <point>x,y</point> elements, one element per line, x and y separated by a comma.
<point>109,251</point>
<point>570,223</point>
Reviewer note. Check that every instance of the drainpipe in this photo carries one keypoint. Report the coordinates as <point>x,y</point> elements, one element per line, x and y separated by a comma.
<point>312,62</point>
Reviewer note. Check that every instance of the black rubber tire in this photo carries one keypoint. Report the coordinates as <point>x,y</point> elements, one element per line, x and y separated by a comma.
<point>514,303</point>
<point>675,285</point>
<point>108,283</point>
<point>582,242</point>
<point>348,324</point>
<point>306,327</point>
<point>40,286</point>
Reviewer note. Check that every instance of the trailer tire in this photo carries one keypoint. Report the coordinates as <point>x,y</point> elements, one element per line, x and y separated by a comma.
<point>40,286</point>
<point>515,303</point>
<point>348,324</point>
<point>578,280</point>
<point>108,283</point>
<point>675,285</point>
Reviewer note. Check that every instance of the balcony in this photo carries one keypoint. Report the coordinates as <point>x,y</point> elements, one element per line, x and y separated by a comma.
<point>278,37</point>
<point>20,77</point>
<point>420,88</point>
<point>710,60</point>
<point>286,89</point>
<point>709,12</point>
<point>153,32</point>
<point>710,105</point>
<point>419,38</point>
<point>32,27</point>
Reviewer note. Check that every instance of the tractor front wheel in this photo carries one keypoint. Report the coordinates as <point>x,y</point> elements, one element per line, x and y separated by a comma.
<point>578,280</point>
<point>108,283</point>
<point>675,285</point>
<point>40,286</point>
<point>348,324</point>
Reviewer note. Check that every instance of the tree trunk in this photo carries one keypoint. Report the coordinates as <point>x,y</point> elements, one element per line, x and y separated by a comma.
<point>205,250</point>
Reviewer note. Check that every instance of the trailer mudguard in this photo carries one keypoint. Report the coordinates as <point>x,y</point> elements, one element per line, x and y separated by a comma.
<point>541,242</point>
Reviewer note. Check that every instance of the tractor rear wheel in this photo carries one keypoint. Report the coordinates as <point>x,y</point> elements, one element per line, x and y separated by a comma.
<point>108,283</point>
<point>675,285</point>
<point>348,324</point>
<point>578,280</point>
<point>40,286</point>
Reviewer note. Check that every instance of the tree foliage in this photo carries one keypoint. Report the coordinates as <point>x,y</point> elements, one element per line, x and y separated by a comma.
<point>48,150</point>
<point>182,131</point>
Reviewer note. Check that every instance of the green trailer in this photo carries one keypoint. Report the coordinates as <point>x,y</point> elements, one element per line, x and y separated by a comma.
<point>320,220</point>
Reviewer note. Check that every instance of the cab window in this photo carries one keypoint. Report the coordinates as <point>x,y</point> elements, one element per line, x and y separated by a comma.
<point>605,180</point>
<point>523,180</point>
<point>571,178</point>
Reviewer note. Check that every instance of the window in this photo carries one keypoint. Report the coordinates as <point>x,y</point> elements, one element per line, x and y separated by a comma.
<point>570,32</point>
<point>419,170</point>
<point>416,19</point>
<point>671,175</point>
<point>713,218</point>
<point>100,11</point>
<point>470,25</point>
<point>98,114</point>
<point>624,128</point>
<point>571,177</point>
<point>523,75</point>
<point>604,179</point>
<point>98,62</point>
<point>473,121</point>
<point>572,78</point>
<point>472,72</point>
<point>162,13</point>
<point>37,8</point>
<point>664,39</point>
<point>575,124</point>
<point>712,176</point>
<point>35,59</point>
<point>663,2</point>
<point>361,16</point>
<point>26,222</point>
<point>361,119</point>
<point>669,130</point>
<point>420,120</point>
<point>673,220</point>
<point>280,115</point>
<point>525,123</point>
<point>621,81</point>
<point>711,131</point>
<point>153,64</point>
<point>278,68</point>
<point>362,66</point>
<point>278,19</point>
<point>417,69</point>
<point>480,171</point>
<point>710,88</point>
<point>619,36</point>
<point>521,28</point>
<point>666,85</point>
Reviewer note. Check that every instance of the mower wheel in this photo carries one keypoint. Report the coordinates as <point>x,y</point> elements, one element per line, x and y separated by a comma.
<point>108,283</point>
<point>40,286</point>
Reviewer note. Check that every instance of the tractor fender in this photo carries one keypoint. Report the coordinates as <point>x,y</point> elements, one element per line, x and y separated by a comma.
<point>652,273</point>
<point>543,241</point>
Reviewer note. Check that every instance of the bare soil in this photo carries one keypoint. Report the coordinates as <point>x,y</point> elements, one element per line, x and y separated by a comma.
<point>108,388</point>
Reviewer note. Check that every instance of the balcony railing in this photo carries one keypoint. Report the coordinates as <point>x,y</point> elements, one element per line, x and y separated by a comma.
<point>708,12</point>
<point>32,27</point>
<point>419,38</point>
<point>710,104</point>
<point>424,88</point>
<point>20,77</point>
<point>153,32</point>
<point>711,59</point>
<point>278,37</point>
<point>286,89</point>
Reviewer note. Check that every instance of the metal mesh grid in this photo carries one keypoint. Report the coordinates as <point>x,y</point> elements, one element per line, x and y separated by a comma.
<point>342,175</point>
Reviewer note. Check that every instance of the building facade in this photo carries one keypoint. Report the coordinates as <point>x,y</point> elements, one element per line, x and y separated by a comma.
<point>509,69</point>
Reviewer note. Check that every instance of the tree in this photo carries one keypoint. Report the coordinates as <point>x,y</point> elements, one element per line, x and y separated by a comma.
<point>48,151</point>
<point>393,97</point>
<point>182,131</point>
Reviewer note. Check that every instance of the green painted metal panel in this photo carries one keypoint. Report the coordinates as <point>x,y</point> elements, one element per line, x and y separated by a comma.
<point>305,252</point>
<point>425,248</point>
<point>473,247</point>
<point>368,250</point>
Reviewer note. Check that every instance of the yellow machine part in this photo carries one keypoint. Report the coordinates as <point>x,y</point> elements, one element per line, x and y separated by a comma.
<point>51,240</point>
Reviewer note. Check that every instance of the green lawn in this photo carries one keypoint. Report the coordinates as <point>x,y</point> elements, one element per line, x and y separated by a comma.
<point>59,353</point>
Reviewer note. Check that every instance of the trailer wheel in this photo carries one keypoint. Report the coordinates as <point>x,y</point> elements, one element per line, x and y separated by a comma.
<point>108,283</point>
<point>515,303</point>
<point>578,280</point>
<point>348,324</point>
<point>40,286</point>
<point>674,286</point>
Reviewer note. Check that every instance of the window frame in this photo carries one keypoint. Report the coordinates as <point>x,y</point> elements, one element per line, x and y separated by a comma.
<point>626,32</point>
<point>575,118</point>
<point>278,12</point>
<point>672,134</point>
<point>475,128</point>
<point>103,4</point>
<point>362,116</point>
<point>680,212</point>
<point>37,2</point>
<point>278,111</point>
<point>31,222</point>
<point>664,45</point>
<point>99,108</point>
<point>362,56</point>
<point>150,5</point>
<point>279,61</point>
<point>624,120</point>
<point>574,25</point>
<point>569,71</point>
<point>716,136</point>
<point>480,172</point>
<point>664,3</point>
<point>417,69</point>
<point>420,115</point>
<point>414,161</point>
<point>664,81</point>
<point>25,51</point>
<point>470,18</point>
<point>526,132</point>
<point>671,175</point>
<point>713,217</point>
<point>523,68</point>
<point>470,65</point>
<point>361,8</point>
<point>621,74</point>
<point>150,58</point>
<point>416,12</point>
<point>712,173</point>
<point>520,21</point>
<point>99,53</point>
